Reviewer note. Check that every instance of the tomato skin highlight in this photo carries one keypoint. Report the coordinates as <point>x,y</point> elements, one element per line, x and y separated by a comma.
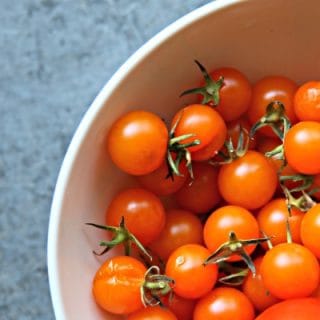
<point>224,303</point>
<point>307,101</point>
<point>203,121</point>
<point>249,181</point>
<point>116,285</point>
<point>152,313</point>
<point>137,142</point>
<point>182,227</point>
<point>230,218</point>
<point>302,147</point>
<point>310,230</point>
<point>290,270</point>
<point>143,213</point>
<point>295,309</point>
<point>192,278</point>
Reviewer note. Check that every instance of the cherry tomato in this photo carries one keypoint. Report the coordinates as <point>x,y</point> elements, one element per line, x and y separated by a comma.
<point>201,194</point>
<point>272,220</point>
<point>181,307</point>
<point>123,276</point>
<point>186,266</point>
<point>249,181</point>
<point>268,89</point>
<point>302,147</point>
<point>160,183</point>
<point>290,270</point>
<point>205,123</point>
<point>307,101</point>
<point>137,142</point>
<point>233,132</point>
<point>143,213</point>
<point>182,227</point>
<point>152,313</point>
<point>255,290</point>
<point>310,230</point>
<point>230,218</point>
<point>297,309</point>
<point>235,93</point>
<point>224,303</point>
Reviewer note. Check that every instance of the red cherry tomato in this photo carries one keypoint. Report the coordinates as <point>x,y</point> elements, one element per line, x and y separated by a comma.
<point>249,181</point>
<point>230,218</point>
<point>182,227</point>
<point>224,303</point>
<point>159,183</point>
<point>290,270</point>
<point>205,123</point>
<point>192,278</point>
<point>137,142</point>
<point>302,147</point>
<point>310,230</point>
<point>307,101</point>
<point>201,194</point>
<point>255,290</point>
<point>295,309</point>
<point>152,313</point>
<point>123,276</point>
<point>272,220</point>
<point>268,89</point>
<point>143,213</point>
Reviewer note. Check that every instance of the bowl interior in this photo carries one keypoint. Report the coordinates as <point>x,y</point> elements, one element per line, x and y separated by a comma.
<point>258,37</point>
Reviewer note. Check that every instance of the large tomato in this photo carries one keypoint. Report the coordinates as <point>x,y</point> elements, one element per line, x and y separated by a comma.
<point>293,309</point>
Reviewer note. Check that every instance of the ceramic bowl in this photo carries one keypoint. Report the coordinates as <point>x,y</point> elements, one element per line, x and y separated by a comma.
<point>259,37</point>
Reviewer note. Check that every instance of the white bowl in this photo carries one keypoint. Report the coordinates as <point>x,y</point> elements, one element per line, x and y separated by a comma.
<point>259,37</point>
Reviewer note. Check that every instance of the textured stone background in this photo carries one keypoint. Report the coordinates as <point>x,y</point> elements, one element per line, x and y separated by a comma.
<point>55,55</point>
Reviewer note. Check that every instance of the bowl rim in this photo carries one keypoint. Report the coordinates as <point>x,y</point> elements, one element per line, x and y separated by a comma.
<point>84,126</point>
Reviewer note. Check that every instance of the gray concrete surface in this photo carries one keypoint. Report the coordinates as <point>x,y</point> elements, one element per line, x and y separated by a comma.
<point>55,55</point>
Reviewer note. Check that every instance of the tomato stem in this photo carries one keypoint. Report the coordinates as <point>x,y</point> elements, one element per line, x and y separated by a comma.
<point>121,236</point>
<point>210,91</point>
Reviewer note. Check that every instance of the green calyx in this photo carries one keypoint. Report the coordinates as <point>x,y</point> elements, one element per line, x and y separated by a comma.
<point>210,91</point>
<point>235,246</point>
<point>155,286</point>
<point>121,235</point>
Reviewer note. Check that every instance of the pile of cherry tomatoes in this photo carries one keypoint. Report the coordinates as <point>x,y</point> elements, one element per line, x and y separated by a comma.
<point>225,222</point>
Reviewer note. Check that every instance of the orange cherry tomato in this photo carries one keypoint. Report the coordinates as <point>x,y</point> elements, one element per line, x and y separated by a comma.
<point>204,122</point>
<point>295,309</point>
<point>201,194</point>
<point>249,181</point>
<point>290,270</point>
<point>182,227</point>
<point>302,147</point>
<point>137,142</point>
<point>123,276</point>
<point>235,93</point>
<point>307,101</point>
<point>272,220</point>
<point>192,278</point>
<point>143,213</point>
<point>152,313</point>
<point>310,230</point>
<point>224,303</point>
<point>255,290</point>
<point>268,89</point>
<point>226,219</point>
